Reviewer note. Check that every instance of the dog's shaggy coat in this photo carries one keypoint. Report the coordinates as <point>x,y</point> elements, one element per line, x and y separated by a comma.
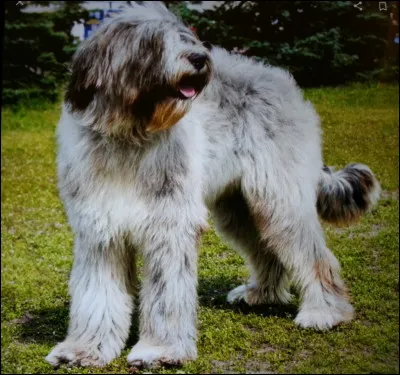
<point>155,131</point>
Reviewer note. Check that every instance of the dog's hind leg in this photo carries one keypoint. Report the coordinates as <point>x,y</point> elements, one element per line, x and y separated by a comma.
<point>289,223</point>
<point>269,281</point>
<point>102,285</point>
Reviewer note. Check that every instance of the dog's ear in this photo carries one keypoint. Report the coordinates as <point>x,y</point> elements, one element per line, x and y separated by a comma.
<point>85,76</point>
<point>103,63</point>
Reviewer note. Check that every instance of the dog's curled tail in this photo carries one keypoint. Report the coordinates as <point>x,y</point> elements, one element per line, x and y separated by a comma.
<point>344,195</point>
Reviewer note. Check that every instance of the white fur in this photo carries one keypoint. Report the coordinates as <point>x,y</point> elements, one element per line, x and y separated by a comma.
<point>249,131</point>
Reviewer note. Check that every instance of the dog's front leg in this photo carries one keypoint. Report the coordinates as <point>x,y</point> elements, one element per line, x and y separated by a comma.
<point>101,285</point>
<point>168,294</point>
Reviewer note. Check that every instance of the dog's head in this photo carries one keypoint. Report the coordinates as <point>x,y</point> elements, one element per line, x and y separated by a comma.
<point>138,74</point>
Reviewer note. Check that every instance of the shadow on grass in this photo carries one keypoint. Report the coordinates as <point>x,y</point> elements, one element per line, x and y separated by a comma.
<point>213,292</point>
<point>49,326</point>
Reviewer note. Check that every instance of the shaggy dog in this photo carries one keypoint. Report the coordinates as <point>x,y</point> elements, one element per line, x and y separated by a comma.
<point>156,131</point>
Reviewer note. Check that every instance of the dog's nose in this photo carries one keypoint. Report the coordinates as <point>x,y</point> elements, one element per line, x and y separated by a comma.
<point>197,60</point>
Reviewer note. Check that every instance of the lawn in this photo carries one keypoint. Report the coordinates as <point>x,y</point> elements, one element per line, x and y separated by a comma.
<point>360,123</point>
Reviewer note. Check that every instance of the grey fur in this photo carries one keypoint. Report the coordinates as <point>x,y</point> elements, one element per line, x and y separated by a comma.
<point>345,195</point>
<point>139,165</point>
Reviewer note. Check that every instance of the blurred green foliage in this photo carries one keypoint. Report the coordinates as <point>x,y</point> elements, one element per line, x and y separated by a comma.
<point>37,50</point>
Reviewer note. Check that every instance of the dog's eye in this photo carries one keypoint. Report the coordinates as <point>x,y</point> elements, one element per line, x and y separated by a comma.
<point>207,45</point>
<point>186,39</point>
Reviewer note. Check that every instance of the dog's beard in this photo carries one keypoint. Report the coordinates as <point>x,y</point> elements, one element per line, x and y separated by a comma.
<point>167,113</point>
<point>133,116</point>
<point>175,101</point>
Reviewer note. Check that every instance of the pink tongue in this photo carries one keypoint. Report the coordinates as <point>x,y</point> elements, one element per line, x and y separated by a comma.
<point>188,92</point>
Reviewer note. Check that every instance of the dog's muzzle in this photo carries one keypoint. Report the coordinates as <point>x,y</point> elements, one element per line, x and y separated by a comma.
<point>189,86</point>
<point>198,60</point>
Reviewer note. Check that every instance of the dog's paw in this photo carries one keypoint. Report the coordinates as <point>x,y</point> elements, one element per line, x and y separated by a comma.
<point>253,296</point>
<point>323,318</point>
<point>144,355</point>
<point>238,294</point>
<point>74,355</point>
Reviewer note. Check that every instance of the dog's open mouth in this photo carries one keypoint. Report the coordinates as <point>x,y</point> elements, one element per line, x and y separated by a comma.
<point>190,86</point>
<point>188,92</point>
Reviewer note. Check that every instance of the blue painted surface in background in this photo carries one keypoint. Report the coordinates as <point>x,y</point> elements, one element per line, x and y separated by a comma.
<point>99,16</point>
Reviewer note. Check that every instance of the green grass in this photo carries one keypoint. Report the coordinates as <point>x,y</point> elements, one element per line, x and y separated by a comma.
<point>360,123</point>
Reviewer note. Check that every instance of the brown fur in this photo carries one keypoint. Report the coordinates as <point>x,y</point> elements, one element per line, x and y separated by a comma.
<point>166,114</point>
<point>330,282</point>
<point>347,197</point>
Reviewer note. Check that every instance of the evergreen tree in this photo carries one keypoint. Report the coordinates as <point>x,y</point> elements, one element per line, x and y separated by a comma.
<point>37,50</point>
<point>320,42</point>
